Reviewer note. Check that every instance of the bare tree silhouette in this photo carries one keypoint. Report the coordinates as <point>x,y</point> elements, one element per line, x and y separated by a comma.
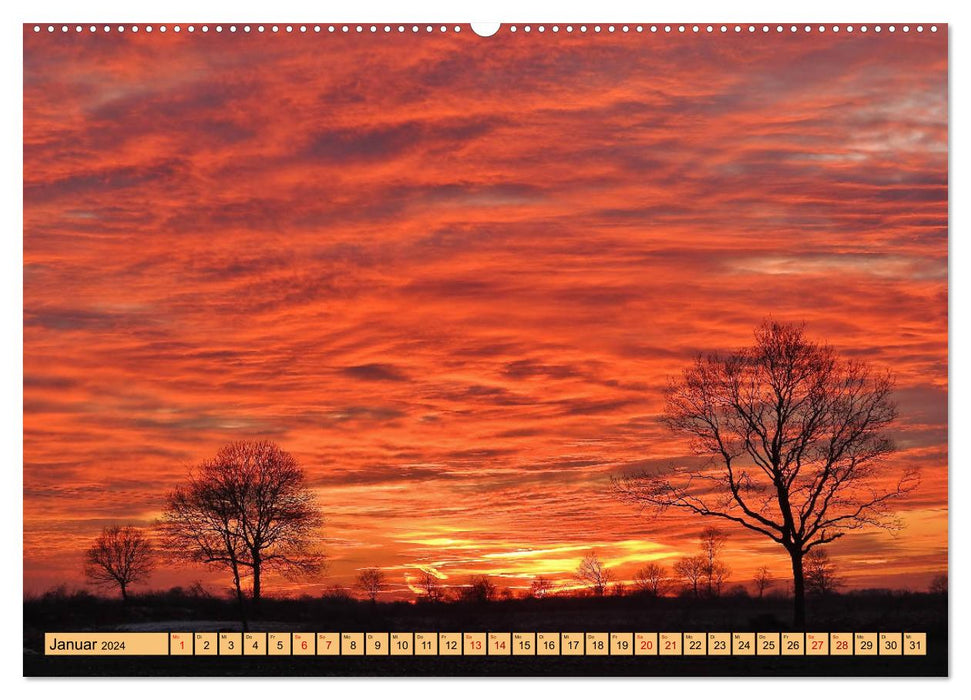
<point>480,590</point>
<point>540,587</point>
<point>651,579</point>
<point>716,572</point>
<point>762,580</point>
<point>337,593</point>
<point>120,556</point>
<point>822,578</point>
<point>249,510</point>
<point>939,585</point>
<point>794,437</point>
<point>692,570</point>
<point>370,581</point>
<point>431,589</point>
<point>593,573</point>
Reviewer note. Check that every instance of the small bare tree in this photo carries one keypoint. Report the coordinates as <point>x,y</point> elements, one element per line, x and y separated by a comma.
<point>715,578</point>
<point>248,510</point>
<point>716,572</point>
<point>540,587</point>
<point>762,580</point>
<point>429,587</point>
<point>691,570</point>
<point>370,582</point>
<point>651,579</point>
<point>795,438</point>
<point>481,589</point>
<point>939,585</point>
<point>593,573</point>
<point>822,578</point>
<point>119,557</point>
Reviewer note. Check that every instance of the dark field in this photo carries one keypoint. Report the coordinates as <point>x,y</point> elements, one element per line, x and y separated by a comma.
<point>858,612</point>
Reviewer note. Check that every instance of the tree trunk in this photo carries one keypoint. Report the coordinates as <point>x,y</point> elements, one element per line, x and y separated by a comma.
<point>124,592</point>
<point>239,597</point>
<point>798,589</point>
<point>256,579</point>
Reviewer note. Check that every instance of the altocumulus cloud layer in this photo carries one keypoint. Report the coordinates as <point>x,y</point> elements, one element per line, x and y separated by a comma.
<point>452,274</point>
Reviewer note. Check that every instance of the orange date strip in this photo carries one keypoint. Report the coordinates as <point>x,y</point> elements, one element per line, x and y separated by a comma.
<point>386,644</point>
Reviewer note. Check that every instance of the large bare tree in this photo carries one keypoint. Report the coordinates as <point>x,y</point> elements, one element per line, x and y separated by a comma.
<point>248,510</point>
<point>119,557</point>
<point>795,438</point>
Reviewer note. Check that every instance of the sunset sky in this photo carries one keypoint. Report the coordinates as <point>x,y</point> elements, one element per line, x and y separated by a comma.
<point>451,275</point>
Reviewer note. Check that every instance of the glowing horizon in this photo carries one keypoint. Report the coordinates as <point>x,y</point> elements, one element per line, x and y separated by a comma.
<point>451,276</point>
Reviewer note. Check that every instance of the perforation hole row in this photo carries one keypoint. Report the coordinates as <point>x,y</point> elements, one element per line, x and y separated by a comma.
<point>513,28</point>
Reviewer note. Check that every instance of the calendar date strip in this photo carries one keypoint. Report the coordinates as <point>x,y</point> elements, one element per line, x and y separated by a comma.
<point>485,644</point>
